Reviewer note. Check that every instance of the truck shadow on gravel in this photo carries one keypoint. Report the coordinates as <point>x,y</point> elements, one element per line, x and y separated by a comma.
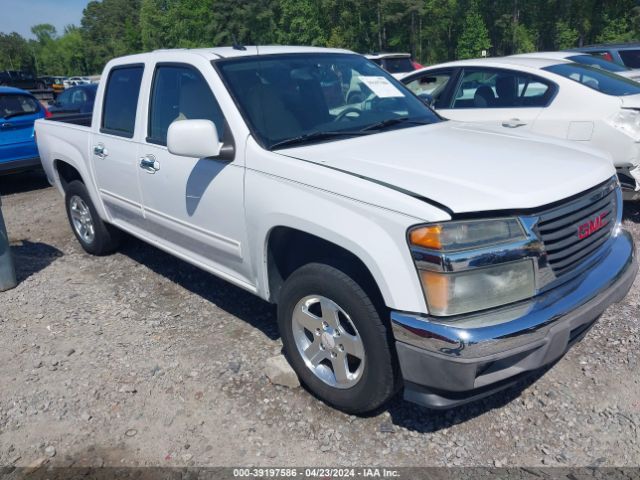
<point>31,257</point>
<point>23,182</point>
<point>239,303</point>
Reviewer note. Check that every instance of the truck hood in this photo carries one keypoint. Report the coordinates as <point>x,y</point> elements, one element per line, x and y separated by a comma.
<point>465,167</point>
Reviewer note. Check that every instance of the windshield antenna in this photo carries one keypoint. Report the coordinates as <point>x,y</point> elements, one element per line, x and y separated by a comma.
<point>236,45</point>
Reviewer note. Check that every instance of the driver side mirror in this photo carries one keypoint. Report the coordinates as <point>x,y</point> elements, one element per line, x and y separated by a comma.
<point>194,138</point>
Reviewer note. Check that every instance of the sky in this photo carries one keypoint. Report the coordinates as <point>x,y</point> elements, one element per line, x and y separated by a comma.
<point>20,15</point>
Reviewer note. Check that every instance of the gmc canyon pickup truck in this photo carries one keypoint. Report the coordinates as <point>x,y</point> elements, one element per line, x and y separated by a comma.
<point>401,250</point>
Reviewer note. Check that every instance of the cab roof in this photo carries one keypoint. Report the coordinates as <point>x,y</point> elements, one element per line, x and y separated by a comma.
<point>5,90</point>
<point>215,53</point>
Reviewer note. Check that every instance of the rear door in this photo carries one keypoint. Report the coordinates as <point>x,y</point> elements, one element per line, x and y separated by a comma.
<point>498,97</point>
<point>113,150</point>
<point>18,112</point>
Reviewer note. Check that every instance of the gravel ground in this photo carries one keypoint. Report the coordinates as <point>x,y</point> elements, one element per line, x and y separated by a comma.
<point>141,359</point>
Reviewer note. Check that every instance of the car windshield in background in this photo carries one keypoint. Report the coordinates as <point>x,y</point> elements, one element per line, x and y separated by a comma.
<point>16,105</point>
<point>597,79</point>
<point>598,62</point>
<point>398,65</point>
<point>301,98</point>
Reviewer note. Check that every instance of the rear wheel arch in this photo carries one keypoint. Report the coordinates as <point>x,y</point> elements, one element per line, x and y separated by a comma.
<point>67,173</point>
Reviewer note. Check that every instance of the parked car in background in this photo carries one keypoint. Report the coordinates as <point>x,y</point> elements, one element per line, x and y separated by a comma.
<point>586,59</point>
<point>558,98</point>
<point>75,100</point>
<point>54,83</point>
<point>400,249</point>
<point>73,81</point>
<point>18,112</point>
<point>22,80</point>
<point>394,63</point>
<point>627,54</point>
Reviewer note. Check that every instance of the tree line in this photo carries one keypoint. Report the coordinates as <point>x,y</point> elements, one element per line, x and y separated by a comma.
<point>432,30</point>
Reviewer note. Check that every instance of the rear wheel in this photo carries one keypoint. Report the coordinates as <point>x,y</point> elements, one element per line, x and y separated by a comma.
<point>335,339</point>
<point>95,236</point>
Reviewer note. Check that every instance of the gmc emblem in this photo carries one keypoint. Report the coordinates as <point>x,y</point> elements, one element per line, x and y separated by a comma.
<point>592,226</point>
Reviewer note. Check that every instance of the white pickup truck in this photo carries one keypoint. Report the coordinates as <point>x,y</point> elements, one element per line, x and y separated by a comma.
<point>401,250</point>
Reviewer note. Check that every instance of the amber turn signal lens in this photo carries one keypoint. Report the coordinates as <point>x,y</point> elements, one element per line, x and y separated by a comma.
<point>427,237</point>
<point>436,286</point>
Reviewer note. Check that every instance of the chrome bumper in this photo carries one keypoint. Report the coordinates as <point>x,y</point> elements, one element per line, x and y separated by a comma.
<point>454,358</point>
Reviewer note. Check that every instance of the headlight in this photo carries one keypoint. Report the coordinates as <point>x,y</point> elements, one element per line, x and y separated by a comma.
<point>453,236</point>
<point>474,290</point>
<point>628,122</point>
<point>470,286</point>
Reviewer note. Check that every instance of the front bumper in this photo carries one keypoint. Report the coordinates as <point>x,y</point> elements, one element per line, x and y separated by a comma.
<point>444,365</point>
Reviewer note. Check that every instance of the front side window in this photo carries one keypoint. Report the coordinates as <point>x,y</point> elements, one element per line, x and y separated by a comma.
<point>430,86</point>
<point>631,58</point>
<point>17,105</point>
<point>180,93</point>
<point>596,79</point>
<point>302,98</point>
<point>121,101</point>
<point>493,88</point>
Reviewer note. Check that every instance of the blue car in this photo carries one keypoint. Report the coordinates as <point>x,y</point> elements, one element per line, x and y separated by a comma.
<point>18,111</point>
<point>77,99</point>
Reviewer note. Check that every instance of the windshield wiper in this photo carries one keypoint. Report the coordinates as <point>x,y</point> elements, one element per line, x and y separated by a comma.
<point>389,122</point>
<point>319,135</point>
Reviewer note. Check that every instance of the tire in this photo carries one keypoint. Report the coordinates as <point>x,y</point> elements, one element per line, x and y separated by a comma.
<point>313,293</point>
<point>97,237</point>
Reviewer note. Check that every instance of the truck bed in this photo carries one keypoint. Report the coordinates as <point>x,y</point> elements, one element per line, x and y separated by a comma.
<point>83,119</point>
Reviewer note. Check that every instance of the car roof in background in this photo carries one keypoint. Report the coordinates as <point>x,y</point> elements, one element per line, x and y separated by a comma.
<point>495,62</point>
<point>381,55</point>
<point>617,46</point>
<point>5,90</point>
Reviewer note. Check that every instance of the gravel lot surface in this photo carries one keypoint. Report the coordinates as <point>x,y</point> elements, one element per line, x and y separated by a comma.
<point>142,359</point>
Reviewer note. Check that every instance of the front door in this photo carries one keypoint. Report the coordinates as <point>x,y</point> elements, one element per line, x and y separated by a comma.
<point>113,150</point>
<point>192,206</point>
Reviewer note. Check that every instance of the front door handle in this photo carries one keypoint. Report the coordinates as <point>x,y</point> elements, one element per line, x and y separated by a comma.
<point>513,123</point>
<point>100,151</point>
<point>149,164</point>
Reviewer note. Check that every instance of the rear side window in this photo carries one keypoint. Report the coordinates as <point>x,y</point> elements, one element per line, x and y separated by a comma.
<point>16,105</point>
<point>596,79</point>
<point>121,101</point>
<point>491,88</point>
<point>631,58</point>
<point>180,93</point>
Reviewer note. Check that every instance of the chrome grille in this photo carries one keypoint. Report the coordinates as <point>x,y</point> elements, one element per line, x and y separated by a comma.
<point>572,232</point>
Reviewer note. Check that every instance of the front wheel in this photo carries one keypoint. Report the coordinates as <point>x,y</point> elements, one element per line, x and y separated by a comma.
<point>335,339</point>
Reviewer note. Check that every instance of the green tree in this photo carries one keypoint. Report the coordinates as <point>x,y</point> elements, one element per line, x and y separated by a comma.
<point>475,36</point>
<point>565,36</point>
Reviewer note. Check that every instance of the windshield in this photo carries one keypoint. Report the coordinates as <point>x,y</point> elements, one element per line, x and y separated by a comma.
<point>398,65</point>
<point>312,97</point>
<point>598,62</point>
<point>596,79</point>
<point>15,105</point>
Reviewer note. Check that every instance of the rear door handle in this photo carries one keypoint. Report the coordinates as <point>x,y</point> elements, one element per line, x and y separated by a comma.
<point>149,164</point>
<point>513,123</point>
<point>100,151</point>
